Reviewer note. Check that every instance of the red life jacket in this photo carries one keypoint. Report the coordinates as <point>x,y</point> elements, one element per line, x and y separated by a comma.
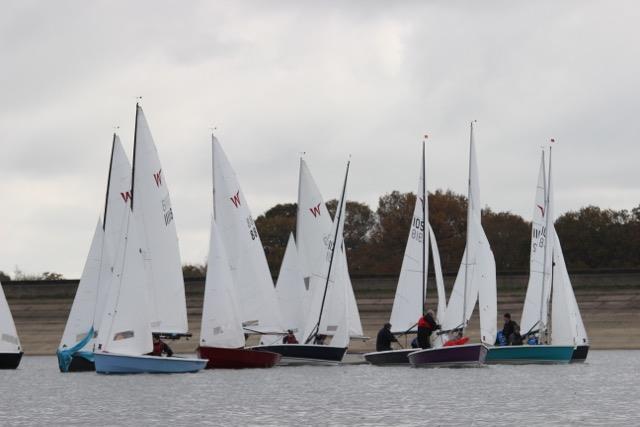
<point>157,349</point>
<point>422,322</point>
<point>456,341</point>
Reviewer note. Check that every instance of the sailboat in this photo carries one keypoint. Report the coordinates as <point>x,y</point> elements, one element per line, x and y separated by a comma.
<point>314,231</point>
<point>75,353</point>
<point>535,314</point>
<point>222,338</point>
<point>408,304</point>
<point>475,282</point>
<point>327,306</point>
<point>146,295</point>
<point>10,349</point>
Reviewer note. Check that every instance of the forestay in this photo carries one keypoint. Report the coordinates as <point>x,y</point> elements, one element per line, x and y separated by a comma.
<point>221,323</point>
<point>9,341</point>
<point>152,207</point>
<point>249,269</point>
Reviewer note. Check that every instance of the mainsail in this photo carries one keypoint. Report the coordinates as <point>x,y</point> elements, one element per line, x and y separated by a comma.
<point>221,323</point>
<point>313,235</point>
<point>258,302</point>
<point>152,207</point>
<point>9,341</point>
<point>476,277</point>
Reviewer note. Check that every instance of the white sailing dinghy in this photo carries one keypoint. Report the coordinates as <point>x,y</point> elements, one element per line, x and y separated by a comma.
<point>10,349</point>
<point>222,339</point>
<point>147,293</point>
<point>75,352</point>
<point>535,314</point>
<point>327,306</point>
<point>411,292</point>
<point>475,282</point>
<point>314,232</point>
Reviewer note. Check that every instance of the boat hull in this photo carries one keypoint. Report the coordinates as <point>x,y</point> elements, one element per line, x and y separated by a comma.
<point>466,355</point>
<point>10,360</point>
<point>237,358</point>
<point>110,363</point>
<point>580,354</point>
<point>80,364</point>
<point>529,354</point>
<point>389,357</point>
<point>305,354</point>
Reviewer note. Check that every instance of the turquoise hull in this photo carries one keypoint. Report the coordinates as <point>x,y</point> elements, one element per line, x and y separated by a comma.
<point>529,354</point>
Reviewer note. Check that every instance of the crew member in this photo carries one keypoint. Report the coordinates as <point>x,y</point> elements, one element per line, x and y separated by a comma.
<point>426,325</point>
<point>385,338</point>
<point>290,338</point>
<point>511,330</point>
<point>160,347</point>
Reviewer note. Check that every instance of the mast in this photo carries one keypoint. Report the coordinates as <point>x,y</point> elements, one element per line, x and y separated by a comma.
<point>213,175</point>
<point>106,197</point>
<point>338,218</point>
<point>424,229</point>
<point>133,165</point>
<point>469,217</point>
<point>547,241</point>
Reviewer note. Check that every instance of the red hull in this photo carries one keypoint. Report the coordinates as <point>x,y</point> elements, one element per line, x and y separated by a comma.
<point>237,358</point>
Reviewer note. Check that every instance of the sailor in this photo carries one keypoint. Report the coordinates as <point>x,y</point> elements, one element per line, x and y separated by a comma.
<point>290,338</point>
<point>160,347</point>
<point>426,325</point>
<point>511,330</point>
<point>385,338</point>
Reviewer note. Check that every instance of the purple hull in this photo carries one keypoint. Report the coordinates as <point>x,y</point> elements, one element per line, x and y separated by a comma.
<point>457,355</point>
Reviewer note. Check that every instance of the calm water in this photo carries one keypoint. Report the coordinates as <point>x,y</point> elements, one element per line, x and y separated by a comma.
<point>604,391</point>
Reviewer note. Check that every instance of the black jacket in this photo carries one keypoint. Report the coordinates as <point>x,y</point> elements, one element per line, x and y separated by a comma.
<point>384,340</point>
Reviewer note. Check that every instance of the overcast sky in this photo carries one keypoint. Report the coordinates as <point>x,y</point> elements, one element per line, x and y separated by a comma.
<point>328,78</point>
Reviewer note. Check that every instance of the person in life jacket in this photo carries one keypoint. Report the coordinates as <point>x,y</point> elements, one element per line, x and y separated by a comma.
<point>290,338</point>
<point>160,347</point>
<point>426,325</point>
<point>457,340</point>
<point>511,331</point>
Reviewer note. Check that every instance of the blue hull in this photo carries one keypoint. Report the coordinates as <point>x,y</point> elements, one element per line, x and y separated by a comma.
<point>529,354</point>
<point>109,363</point>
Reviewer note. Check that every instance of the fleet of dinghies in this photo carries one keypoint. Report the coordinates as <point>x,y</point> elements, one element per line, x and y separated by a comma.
<point>132,289</point>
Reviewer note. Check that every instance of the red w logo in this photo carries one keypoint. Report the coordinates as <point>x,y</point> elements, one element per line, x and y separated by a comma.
<point>126,196</point>
<point>541,209</point>
<point>158,178</point>
<point>236,199</point>
<point>315,210</point>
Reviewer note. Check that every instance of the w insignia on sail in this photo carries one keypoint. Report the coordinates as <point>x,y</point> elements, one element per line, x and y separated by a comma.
<point>315,210</point>
<point>236,199</point>
<point>126,196</point>
<point>158,178</point>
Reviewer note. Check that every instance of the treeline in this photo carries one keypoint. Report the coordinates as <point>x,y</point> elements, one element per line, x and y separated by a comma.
<point>592,238</point>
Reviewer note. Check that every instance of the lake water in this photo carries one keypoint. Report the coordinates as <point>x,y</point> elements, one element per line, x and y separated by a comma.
<point>603,391</point>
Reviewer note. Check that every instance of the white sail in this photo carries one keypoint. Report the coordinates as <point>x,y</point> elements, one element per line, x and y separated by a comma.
<point>152,207</point>
<point>9,341</point>
<point>313,236</point>
<point>221,323</point>
<point>442,297</point>
<point>91,295</point>
<point>328,307</point>
<point>536,303</point>
<point>292,294</point>
<point>477,270</point>
<point>125,327</point>
<point>251,276</point>
<point>408,301</point>
<point>81,316</point>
